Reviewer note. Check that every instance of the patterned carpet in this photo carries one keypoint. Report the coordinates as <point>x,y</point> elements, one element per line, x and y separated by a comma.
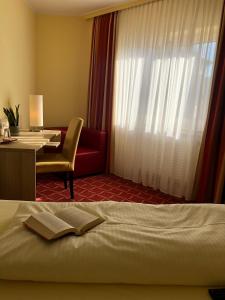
<point>100,188</point>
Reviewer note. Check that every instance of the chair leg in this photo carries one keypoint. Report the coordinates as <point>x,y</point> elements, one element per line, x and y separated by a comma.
<point>71,177</point>
<point>65,180</point>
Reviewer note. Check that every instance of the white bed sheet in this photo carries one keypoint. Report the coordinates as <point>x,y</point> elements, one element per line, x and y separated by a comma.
<point>23,290</point>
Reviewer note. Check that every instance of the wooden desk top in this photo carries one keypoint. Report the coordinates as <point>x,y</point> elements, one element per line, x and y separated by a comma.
<point>33,140</point>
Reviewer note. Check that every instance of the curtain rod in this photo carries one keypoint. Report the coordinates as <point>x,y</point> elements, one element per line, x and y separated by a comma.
<point>106,10</point>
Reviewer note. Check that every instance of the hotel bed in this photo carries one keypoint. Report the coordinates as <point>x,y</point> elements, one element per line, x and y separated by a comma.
<point>139,252</point>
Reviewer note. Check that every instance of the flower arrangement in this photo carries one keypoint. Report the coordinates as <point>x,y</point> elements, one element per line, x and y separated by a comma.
<point>12,117</point>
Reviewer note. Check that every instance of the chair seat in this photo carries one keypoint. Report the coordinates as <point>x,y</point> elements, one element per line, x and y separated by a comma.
<point>52,162</point>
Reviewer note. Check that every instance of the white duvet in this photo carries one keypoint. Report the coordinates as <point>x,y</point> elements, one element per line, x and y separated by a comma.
<point>137,244</point>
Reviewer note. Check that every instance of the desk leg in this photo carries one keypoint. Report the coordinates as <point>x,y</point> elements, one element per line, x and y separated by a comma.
<point>18,174</point>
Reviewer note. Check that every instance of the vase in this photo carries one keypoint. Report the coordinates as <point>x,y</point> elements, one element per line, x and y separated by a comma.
<point>14,130</point>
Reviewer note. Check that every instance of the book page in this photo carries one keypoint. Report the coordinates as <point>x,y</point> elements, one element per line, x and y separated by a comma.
<point>47,224</point>
<point>78,218</point>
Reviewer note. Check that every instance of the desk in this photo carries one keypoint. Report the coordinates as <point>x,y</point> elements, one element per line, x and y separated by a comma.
<point>18,164</point>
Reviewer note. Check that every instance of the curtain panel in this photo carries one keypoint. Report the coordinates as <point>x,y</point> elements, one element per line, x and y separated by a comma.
<point>102,72</point>
<point>210,186</point>
<point>164,65</point>
<point>100,96</point>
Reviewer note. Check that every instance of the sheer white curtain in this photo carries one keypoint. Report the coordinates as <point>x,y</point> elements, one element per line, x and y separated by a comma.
<point>164,66</point>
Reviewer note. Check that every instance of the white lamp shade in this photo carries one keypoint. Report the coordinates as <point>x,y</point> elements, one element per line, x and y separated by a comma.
<point>36,110</point>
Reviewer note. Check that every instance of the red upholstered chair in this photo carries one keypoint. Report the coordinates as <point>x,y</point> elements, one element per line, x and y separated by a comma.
<point>91,152</point>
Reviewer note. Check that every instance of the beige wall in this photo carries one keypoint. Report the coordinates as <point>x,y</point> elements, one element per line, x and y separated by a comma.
<point>17,56</point>
<point>46,55</point>
<point>63,55</point>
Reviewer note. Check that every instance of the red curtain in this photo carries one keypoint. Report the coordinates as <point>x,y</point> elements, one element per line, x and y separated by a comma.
<point>100,97</point>
<point>102,72</point>
<point>212,170</point>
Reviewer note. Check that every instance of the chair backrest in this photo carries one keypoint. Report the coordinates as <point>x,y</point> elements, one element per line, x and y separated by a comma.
<point>71,140</point>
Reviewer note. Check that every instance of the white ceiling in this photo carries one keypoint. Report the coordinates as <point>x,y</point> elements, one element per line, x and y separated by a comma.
<point>72,7</point>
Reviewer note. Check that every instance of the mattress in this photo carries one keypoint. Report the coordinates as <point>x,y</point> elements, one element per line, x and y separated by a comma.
<point>19,290</point>
<point>135,224</point>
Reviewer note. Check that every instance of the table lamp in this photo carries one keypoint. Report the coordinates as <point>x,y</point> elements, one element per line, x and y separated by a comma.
<point>36,112</point>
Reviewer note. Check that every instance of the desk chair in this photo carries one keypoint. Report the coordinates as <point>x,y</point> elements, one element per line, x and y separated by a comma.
<point>63,162</point>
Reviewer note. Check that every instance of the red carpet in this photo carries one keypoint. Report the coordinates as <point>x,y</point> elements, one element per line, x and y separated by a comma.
<point>100,188</point>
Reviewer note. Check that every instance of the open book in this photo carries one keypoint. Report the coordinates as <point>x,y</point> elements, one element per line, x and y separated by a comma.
<point>67,220</point>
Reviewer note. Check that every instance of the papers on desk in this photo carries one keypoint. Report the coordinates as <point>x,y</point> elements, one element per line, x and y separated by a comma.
<point>38,142</point>
<point>33,140</point>
<point>42,133</point>
<point>40,138</point>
